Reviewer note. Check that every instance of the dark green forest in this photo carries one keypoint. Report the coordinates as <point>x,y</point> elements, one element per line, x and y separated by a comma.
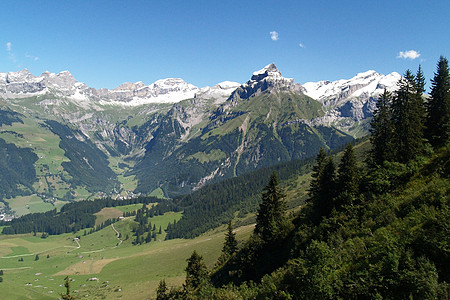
<point>88,165</point>
<point>18,173</point>
<point>72,217</point>
<point>372,229</point>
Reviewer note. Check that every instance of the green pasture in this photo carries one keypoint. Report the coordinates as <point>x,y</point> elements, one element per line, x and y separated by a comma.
<point>122,269</point>
<point>128,208</point>
<point>23,205</point>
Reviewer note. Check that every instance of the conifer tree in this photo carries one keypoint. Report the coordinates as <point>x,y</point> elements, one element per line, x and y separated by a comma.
<point>382,130</point>
<point>322,187</point>
<point>420,82</point>
<point>229,245</point>
<point>270,216</point>
<point>327,188</point>
<point>67,295</point>
<point>196,271</point>
<point>348,178</point>
<point>314,189</point>
<point>407,115</point>
<point>162,291</point>
<point>438,106</point>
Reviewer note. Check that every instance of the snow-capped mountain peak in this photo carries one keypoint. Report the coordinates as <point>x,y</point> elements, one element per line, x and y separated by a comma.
<point>348,101</point>
<point>268,79</point>
<point>220,92</point>
<point>368,83</point>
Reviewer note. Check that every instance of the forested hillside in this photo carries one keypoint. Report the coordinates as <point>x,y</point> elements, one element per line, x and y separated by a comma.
<point>377,230</point>
<point>18,173</point>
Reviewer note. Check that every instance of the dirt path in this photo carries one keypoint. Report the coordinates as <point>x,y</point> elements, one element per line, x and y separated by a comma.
<point>118,235</point>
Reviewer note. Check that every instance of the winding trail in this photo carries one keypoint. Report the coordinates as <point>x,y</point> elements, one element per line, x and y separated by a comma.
<point>118,236</point>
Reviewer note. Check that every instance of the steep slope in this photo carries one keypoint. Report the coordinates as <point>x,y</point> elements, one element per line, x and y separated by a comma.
<point>263,122</point>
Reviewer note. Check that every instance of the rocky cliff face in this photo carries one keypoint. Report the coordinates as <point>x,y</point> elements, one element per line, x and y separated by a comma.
<point>266,79</point>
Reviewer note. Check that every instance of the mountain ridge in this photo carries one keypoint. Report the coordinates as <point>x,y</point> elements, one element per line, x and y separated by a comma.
<point>175,147</point>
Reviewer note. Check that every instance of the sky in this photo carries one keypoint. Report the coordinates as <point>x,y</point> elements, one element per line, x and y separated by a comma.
<point>107,43</point>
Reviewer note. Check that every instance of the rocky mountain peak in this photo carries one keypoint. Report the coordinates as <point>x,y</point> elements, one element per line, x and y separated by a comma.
<point>268,71</point>
<point>19,76</point>
<point>268,79</point>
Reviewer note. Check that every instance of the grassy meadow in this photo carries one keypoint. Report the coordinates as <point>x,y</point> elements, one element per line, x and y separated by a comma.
<point>117,268</point>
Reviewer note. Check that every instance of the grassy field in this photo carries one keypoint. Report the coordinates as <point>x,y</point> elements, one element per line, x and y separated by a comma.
<point>131,207</point>
<point>28,204</point>
<point>106,214</point>
<point>122,269</point>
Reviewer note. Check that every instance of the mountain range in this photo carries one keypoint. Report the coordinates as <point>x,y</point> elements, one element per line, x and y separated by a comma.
<point>169,137</point>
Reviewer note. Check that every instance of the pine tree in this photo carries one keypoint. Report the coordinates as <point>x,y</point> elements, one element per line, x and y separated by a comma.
<point>314,189</point>
<point>407,115</point>
<point>67,295</point>
<point>438,106</point>
<point>348,178</point>
<point>382,130</point>
<point>229,246</point>
<point>327,188</point>
<point>420,82</point>
<point>162,291</point>
<point>322,187</point>
<point>270,216</point>
<point>196,271</point>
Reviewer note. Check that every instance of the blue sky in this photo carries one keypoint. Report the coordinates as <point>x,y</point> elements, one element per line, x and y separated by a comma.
<point>106,43</point>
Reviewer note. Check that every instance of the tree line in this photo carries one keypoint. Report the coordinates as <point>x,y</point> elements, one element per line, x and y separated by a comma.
<point>72,217</point>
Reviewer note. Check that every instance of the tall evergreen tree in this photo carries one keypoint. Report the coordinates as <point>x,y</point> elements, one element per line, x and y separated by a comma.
<point>382,130</point>
<point>438,106</point>
<point>327,188</point>
<point>230,245</point>
<point>348,178</point>
<point>318,168</point>
<point>270,216</point>
<point>420,82</point>
<point>196,271</point>
<point>322,187</point>
<point>407,115</point>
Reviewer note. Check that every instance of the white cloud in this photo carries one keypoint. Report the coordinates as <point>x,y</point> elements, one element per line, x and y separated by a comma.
<point>11,55</point>
<point>274,35</point>
<point>411,54</point>
<point>35,58</point>
<point>301,45</point>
